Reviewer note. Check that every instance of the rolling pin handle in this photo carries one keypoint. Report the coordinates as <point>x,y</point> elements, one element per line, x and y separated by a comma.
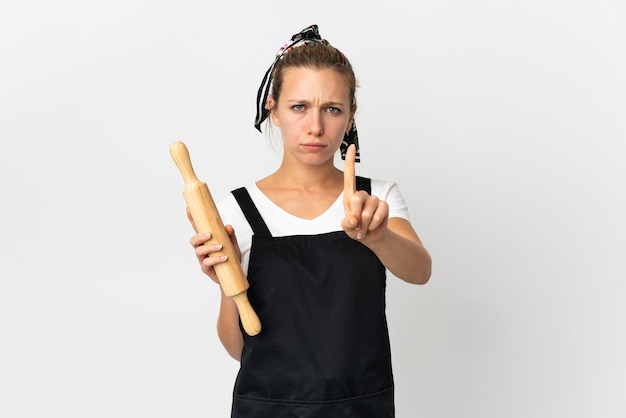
<point>180,155</point>
<point>249,319</point>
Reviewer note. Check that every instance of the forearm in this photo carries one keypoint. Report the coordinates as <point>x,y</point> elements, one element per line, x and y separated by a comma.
<point>403,254</point>
<point>228,329</point>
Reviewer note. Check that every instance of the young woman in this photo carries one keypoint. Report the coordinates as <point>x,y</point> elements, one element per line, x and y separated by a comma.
<point>315,242</point>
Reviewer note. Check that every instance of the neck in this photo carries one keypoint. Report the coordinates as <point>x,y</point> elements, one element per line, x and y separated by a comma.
<point>295,175</point>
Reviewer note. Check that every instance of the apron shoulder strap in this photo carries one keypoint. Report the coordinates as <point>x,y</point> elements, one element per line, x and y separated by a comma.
<point>251,212</point>
<point>364,183</point>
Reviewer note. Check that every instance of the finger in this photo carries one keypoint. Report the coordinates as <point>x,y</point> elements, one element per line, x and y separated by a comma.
<point>367,208</point>
<point>380,216</point>
<point>349,177</point>
<point>233,239</point>
<point>357,206</point>
<point>204,251</point>
<point>200,239</point>
<point>213,260</point>
<point>231,232</point>
<point>193,224</point>
<point>374,214</point>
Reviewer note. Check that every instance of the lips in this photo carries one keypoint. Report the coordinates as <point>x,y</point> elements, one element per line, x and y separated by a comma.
<point>313,145</point>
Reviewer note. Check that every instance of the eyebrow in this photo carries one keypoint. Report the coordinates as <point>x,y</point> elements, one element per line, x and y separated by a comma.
<point>329,103</point>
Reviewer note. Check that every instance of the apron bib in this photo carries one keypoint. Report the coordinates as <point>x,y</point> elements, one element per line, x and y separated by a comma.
<point>324,348</point>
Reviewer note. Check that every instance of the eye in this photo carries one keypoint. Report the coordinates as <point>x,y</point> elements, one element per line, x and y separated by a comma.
<point>334,110</point>
<point>298,107</point>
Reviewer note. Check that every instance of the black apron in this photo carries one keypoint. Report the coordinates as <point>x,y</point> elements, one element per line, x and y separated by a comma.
<point>324,349</point>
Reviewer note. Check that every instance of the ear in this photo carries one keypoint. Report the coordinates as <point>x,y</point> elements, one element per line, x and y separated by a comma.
<point>349,125</point>
<point>271,105</point>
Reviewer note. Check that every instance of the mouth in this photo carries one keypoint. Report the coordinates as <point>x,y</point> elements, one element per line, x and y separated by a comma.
<point>313,146</point>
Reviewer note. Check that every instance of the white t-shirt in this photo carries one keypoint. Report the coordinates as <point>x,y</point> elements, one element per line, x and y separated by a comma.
<point>281,223</point>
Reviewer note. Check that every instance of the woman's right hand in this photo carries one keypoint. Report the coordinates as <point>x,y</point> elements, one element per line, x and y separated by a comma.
<point>206,253</point>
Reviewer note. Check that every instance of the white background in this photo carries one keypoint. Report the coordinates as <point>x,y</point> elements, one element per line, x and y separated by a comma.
<point>503,122</point>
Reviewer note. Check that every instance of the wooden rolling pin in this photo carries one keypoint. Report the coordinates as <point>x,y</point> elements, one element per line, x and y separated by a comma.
<point>207,219</point>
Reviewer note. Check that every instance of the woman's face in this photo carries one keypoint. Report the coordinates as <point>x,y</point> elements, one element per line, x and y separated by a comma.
<point>313,112</point>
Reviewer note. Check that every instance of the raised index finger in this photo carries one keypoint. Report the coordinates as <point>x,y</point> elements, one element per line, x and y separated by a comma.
<point>349,176</point>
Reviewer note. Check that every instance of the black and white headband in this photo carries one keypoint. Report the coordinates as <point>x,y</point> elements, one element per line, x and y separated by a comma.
<point>308,35</point>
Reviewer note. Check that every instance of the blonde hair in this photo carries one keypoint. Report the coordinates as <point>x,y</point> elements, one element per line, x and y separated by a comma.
<point>317,56</point>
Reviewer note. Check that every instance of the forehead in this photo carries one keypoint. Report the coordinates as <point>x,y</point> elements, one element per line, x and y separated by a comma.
<point>325,82</point>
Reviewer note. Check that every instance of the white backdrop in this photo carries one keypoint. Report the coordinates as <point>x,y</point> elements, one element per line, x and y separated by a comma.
<point>503,122</point>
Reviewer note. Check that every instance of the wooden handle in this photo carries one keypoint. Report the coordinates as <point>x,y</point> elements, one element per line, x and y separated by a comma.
<point>207,219</point>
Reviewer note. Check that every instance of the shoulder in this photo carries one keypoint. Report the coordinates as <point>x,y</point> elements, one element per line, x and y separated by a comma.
<point>390,192</point>
<point>227,206</point>
<point>231,213</point>
<point>382,188</point>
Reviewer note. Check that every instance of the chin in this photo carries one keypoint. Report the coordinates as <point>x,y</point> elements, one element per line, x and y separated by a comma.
<point>317,160</point>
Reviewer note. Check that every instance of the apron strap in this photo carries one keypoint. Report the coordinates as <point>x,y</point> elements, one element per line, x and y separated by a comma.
<point>251,212</point>
<point>364,183</point>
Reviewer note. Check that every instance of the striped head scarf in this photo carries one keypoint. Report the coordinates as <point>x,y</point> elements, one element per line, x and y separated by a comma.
<point>308,35</point>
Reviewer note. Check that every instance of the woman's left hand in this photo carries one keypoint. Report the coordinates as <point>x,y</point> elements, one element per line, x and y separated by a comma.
<point>365,215</point>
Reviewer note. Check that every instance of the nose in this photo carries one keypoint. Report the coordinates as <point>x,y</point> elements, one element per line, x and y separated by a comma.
<point>316,127</point>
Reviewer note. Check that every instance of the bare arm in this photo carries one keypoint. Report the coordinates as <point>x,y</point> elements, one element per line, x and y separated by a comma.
<point>401,251</point>
<point>228,329</point>
<point>394,240</point>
